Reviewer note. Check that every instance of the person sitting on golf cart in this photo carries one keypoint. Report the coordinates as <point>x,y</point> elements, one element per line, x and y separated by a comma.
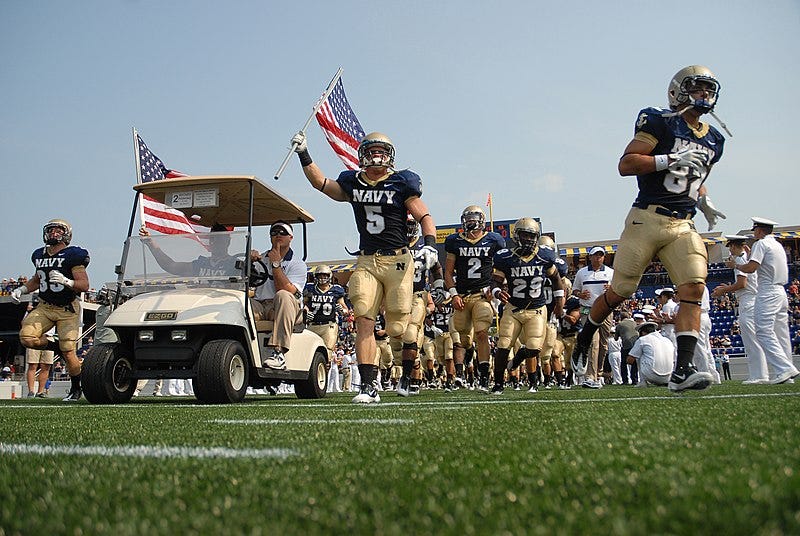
<point>219,263</point>
<point>280,298</point>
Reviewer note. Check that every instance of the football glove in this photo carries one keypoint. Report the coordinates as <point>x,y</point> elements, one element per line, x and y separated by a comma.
<point>431,256</point>
<point>299,142</point>
<point>57,278</point>
<point>709,211</point>
<point>17,293</point>
<point>691,158</point>
<point>438,294</point>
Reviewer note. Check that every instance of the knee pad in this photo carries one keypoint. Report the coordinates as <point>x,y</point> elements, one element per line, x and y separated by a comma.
<point>396,323</point>
<point>410,346</point>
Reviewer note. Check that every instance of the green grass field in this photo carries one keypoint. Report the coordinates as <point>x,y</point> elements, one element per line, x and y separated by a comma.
<point>614,461</point>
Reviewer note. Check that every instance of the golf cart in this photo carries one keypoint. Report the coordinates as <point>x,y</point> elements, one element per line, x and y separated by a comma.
<point>186,312</point>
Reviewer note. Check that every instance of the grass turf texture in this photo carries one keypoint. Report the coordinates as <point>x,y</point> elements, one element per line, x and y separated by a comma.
<point>614,461</point>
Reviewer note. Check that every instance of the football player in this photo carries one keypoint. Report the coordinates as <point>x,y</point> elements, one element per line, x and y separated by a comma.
<point>524,270</point>
<point>551,361</point>
<point>427,274</point>
<point>671,154</point>
<point>324,300</point>
<point>219,263</point>
<point>381,198</point>
<point>443,343</point>
<point>468,277</point>
<point>60,278</point>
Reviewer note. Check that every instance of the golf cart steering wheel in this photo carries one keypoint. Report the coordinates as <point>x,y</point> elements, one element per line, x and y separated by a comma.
<point>260,276</point>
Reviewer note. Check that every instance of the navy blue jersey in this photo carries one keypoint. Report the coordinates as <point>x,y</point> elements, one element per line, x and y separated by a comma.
<point>672,134</point>
<point>380,325</point>
<point>380,209</point>
<point>547,289</point>
<point>567,329</point>
<point>208,266</point>
<point>525,275</point>
<point>323,303</point>
<point>473,269</point>
<point>63,261</point>
<point>441,316</point>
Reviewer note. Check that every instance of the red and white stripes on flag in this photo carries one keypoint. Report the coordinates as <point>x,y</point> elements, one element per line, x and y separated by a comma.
<point>340,126</point>
<point>157,216</point>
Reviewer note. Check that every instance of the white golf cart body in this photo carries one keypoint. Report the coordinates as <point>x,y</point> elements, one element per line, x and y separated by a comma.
<point>191,318</point>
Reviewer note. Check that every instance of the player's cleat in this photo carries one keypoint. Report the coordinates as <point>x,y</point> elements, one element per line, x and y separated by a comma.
<point>459,383</point>
<point>785,377</point>
<point>403,386</point>
<point>41,395</point>
<point>30,394</point>
<point>689,378</point>
<point>367,395</point>
<point>533,389</point>
<point>73,396</point>
<point>497,390</point>
<point>413,389</point>
<point>483,385</point>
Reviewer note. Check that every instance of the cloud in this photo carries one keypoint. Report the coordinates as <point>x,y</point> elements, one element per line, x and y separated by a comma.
<point>549,182</point>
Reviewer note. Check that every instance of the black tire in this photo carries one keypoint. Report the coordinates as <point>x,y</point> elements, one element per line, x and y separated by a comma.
<point>106,374</point>
<point>222,372</point>
<point>316,385</point>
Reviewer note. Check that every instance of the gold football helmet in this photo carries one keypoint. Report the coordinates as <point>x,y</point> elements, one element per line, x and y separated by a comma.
<point>376,150</point>
<point>687,79</point>
<point>526,234</point>
<point>323,274</point>
<point>473,218</point>
<point>66,232</point>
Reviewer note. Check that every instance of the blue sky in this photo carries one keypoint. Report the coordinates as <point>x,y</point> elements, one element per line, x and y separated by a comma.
<point>531,101</point>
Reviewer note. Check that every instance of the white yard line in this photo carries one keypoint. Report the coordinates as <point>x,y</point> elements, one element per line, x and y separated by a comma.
<point>145,451</point>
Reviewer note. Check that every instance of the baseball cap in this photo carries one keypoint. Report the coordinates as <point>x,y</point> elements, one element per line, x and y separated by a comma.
<point>597,249</point>
<point>763,222</point>
<point>282,225</point>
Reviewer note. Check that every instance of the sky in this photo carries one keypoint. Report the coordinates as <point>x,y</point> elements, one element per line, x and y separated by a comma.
<point>530,101</point>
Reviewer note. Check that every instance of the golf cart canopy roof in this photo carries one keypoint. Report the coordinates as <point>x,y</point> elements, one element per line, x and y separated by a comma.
<point>224,199</point>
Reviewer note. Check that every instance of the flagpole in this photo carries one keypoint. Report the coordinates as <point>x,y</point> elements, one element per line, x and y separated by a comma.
<point>138,177</point>
<point>317,106</point>
<point>491,218</point>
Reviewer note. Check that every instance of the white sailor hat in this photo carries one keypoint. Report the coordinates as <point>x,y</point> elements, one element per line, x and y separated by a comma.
<point>763,222</point>
<point>597,249</point>
<point>736,238</point>
<point>668,289</point>
<point>637,316</point>
<point>641,326</point>
<point>648,309</point>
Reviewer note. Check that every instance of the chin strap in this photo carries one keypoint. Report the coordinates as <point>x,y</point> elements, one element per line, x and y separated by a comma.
<point>715,116</point>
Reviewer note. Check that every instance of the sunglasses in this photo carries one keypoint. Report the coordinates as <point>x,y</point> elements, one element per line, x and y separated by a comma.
<point>279,231</point>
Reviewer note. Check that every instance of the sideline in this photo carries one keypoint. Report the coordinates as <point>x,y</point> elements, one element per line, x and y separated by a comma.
<point>311,421</point>
<point>146,451</point>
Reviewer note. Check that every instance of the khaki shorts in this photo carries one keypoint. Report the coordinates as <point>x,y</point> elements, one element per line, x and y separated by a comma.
<point>34,357</point>
<point>527,324</point>
<point>45,316</point>
<point>676,242</point>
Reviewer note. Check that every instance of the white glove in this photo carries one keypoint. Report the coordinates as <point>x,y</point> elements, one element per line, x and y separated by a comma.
<point>438,294</point>
<point>57,278</point>
<point>436,331</point>
<point>691,158</point>
<point>431,256</point>
<point>709,211</point>
<point>299,142</point>
<point>17,293</point>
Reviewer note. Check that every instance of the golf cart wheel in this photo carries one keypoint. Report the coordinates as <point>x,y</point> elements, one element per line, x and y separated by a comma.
<point>221,372</point>
<point>317,383</point>
<point>106,375</point>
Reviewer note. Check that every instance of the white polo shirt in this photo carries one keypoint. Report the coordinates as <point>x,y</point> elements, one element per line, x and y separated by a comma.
<point>592,280</point>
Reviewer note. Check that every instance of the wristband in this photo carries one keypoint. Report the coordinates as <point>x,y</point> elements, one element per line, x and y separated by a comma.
<point>452,291</point>
<point>495,292</point>
<point>662,162</point>
<point>305,158</point>
<point>558,293</point>
<point>430,240</point>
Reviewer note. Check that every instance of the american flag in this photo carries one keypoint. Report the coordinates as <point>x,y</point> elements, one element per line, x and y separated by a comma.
<point>157,216</point>
<point>341,126</point>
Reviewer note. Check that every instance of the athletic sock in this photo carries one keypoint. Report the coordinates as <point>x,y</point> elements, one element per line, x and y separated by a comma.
<point>75,384</point>
<point>408,366</point>
<point>687,341</point>
<point>500,361</point>
<point>483,372</point>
